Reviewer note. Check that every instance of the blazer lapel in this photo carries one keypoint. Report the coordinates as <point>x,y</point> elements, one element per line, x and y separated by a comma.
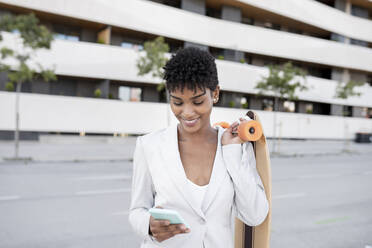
<point>218,175</point>
<point>173,165</point>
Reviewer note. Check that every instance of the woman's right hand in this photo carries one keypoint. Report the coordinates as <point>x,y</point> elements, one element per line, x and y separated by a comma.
<point>162,229</point>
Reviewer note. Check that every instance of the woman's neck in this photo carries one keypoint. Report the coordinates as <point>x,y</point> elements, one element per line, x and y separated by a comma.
<point>203,134</point>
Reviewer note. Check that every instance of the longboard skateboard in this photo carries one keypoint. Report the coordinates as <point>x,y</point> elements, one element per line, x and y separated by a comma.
<point>258,236</point>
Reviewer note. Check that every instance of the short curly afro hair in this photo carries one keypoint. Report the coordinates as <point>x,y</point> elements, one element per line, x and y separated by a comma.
<point>191,68</point>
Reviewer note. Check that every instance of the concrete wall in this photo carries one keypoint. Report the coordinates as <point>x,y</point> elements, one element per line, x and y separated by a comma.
<point>119,64</point>
<point>307,11</point>
<point>195,6</point>
<point>319,15</point>
<point>199,29</point>
<point>233,14</point>
<point>44,113</point>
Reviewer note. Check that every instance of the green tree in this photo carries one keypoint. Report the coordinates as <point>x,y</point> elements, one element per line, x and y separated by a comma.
<point>97,93</point>
<point>283,81</point>
<point>19,60</point>
<point>345,90</point>
<point>152,62</point>
<point>154,58</point>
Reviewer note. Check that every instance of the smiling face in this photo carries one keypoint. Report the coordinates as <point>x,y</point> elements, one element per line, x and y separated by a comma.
<point>193,108</point>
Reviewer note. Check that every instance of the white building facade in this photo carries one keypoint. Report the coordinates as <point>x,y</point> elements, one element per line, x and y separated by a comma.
<point>97,43</point>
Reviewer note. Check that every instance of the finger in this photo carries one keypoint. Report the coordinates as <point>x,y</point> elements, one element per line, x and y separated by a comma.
<point>170,228</point>
<point>231,129</point>
<point>174,228</point>
<point>177,232</point>
<point>162,223</point>
<point>235,125</point>
<point>237,140</point>
<point>158,207</point>
<point>157,226</point>
<point>164,236</point>
<point>181,227</point>
<point>187,230</point>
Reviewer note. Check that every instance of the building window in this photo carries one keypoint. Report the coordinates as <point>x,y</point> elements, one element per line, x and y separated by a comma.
<point>268,104</point>
<point>369,79</point>
<point>364,112</point>
<point>130,94</point>
<point>244,102</point>
<point>215,13</point>
<point>369,113</point>
<point>129,45</point>
<point>359,43</point>
<point>247,20</point>
<point>289,106</point>
<point>135,94</point>
<point>172,3</point>
<point>124,93</point>
<point>66,37</point>
<point>347,111</point>
<point>309,108</point>
<point>63,32</point>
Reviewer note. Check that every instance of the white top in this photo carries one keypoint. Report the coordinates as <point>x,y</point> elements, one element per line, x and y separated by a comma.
<point>198,191</point>
<point>234,190</point>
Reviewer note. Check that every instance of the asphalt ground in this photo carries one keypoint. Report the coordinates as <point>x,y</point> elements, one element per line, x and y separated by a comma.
<point>318,200</point>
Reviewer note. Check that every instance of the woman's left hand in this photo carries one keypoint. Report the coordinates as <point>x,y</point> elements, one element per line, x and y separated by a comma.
<point>230,135</point>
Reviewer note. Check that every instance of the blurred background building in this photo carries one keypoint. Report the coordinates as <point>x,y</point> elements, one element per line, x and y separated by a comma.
<point>97,43</point>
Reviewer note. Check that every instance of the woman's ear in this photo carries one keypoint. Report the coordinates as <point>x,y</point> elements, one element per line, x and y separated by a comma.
<point>216,94</point>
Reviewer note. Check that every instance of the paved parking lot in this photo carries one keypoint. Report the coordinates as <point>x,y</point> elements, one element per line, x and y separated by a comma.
<point>318,201</point>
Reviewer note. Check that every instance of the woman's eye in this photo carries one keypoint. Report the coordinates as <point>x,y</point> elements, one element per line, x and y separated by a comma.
<point>198,103</point>
<point>177,103</point>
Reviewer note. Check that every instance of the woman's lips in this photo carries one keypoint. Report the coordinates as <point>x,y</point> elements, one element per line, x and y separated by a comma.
<point>190,123</point>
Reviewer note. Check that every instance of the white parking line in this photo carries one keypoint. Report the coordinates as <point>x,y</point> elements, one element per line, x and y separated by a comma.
<point>106,177</point>
<point>98,192</point>
<point>9,197</point>
<point>296,195</point>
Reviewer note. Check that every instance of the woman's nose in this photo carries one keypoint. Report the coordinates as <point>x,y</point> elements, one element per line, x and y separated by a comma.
<point>188,111</point>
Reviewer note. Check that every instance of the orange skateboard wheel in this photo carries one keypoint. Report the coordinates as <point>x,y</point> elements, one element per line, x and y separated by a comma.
<point>250,131</point>
<point>222,124</point>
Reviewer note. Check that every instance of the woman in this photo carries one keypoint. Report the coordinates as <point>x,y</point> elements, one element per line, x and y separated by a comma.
<point>206,174</point>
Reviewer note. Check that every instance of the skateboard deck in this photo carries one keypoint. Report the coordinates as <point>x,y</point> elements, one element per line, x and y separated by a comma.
<point>258,236</point>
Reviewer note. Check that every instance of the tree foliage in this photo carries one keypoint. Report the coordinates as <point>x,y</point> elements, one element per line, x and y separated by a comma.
<point>283,81</point>
<point>33,37</point>
<point>154,59</point>
<point>347,89</point>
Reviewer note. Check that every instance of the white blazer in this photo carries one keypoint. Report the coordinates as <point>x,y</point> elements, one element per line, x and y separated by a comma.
<point>159,179</point>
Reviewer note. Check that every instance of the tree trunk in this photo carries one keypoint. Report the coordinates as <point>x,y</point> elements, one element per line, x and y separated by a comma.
<point>16,132</point>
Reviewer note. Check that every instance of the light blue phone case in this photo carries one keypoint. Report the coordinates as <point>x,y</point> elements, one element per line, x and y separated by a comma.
<point>166,214</point>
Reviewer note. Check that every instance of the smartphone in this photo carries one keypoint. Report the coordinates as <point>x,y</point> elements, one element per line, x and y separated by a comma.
<point>167,214</point>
